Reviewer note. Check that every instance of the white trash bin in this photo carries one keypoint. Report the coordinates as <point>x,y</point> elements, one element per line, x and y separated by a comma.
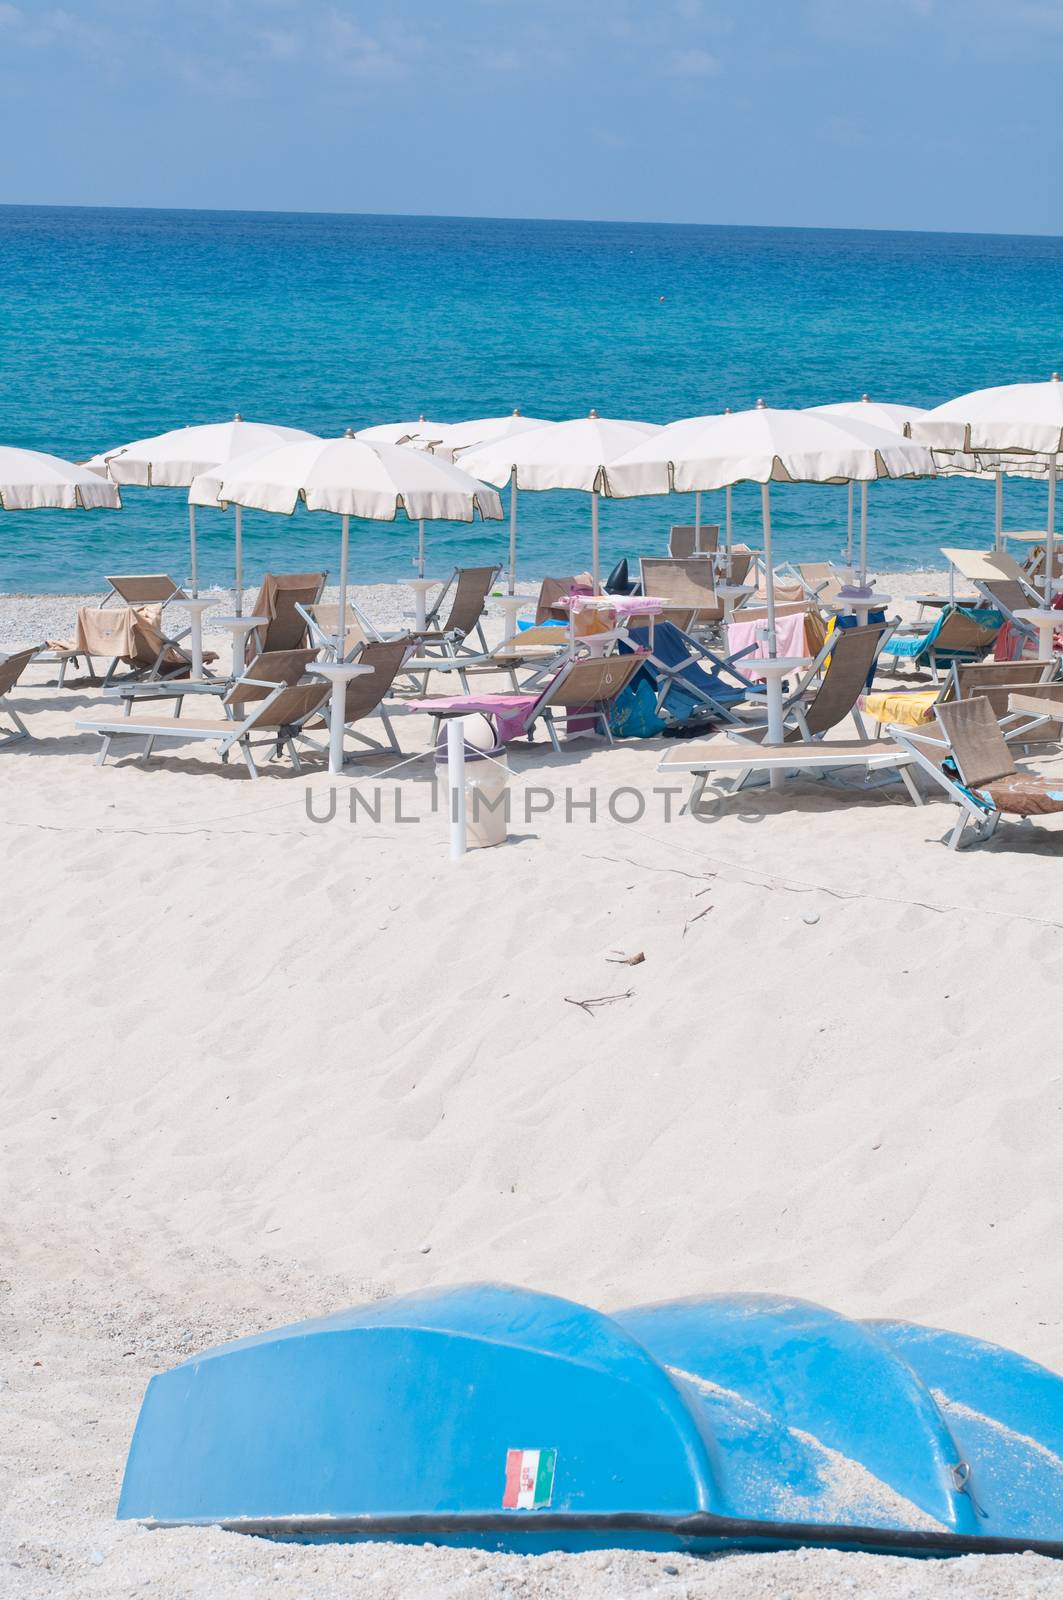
<point>486,782</point>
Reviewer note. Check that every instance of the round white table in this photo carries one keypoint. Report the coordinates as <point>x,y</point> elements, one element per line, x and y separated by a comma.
<point>195,605</point>
<point>773,669</point>
<point>729,593</point>
<point>509,606</point>
<point>240,627</point>
<point>1046,622</point>
<point>861,605</point>
<point>339,674</point>
<point>420,587</point>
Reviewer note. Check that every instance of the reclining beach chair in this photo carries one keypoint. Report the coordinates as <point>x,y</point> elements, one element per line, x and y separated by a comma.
<point>726,756</point>
<point>582,691</point>
<point>536,649</point>
<point>996,680</point>
<point>554,591</point>
<point>471,586</point>
<point>129,635</point>
<point>322,621</point>
<point>967,754</point>
<point>365,697</point>
<point>144,589</point>
<point>692,684</point>
<point>820,581</point>
<point>958,633</point>
<point>689,587</point>
<point>279,600</point>
<point>11,669</point>
<point>685,540</point>
<point>270,698</point>
<point>842,669</point>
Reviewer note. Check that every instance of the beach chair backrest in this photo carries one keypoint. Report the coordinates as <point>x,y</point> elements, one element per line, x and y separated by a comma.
<point>1007,594</point>
<point>960,630</point>
<point>688,582</point>
<point>365,692</point>
<point>820,578</point>
<point>976,743</point>
<point>981,566</point>
<point>470,594</point>
<point>996,681</point>
<point>277,599</point>
<point>551,591</point>
<point>741,561</point>
<point>293,703</point>
<point>146,588</point>
<point>326,620</point>
<point>149,640</point>
<point>12,668</point>
<point>684,539</point>
<point>852,656</point>
<point>592,680</point>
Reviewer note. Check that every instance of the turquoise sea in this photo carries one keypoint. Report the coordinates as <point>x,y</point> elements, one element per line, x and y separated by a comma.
<point>115,324</point>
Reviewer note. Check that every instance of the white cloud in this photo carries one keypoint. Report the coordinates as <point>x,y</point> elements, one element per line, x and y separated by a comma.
<point>693,62</point>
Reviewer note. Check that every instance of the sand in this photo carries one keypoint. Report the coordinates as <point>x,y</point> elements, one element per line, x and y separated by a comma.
<point>260,1067</point>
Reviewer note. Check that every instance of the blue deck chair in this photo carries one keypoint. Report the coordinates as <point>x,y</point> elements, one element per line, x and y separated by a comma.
<point>681,684</point>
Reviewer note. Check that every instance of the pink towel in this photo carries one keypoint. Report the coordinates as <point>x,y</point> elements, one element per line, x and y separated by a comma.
<point>789,634</point>
<point>509,712</point>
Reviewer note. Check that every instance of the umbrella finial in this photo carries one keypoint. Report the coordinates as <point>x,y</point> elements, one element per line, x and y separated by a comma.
<point>237,417</point>
<point>1055,377</point>
<point>866,398</point>
<point>348,433</point>
<point>593,413</point>
<point>761,406</point>
<point>516,411</point>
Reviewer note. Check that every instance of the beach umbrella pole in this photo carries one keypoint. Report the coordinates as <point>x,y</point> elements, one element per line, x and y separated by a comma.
<point>998,529</point>
<point>1050,542</point>
<point>728,528</point>
<point>863,534</point>
<point>697,521</point>
<point>513,531</point>
<point>420,548</point>
<point>595,573</point>
<point>239,535</point>
<point>192,550</point>
<point>773,679</point>
<point>849,530</point>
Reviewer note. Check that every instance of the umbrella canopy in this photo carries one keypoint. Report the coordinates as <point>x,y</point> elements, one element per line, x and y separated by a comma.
<point>351,478</point>
<point>420,433</point>
<point>887,414</point>
<point>1015,417</point>
<point>32,481</point>
<point>893,418</point>
<point>459,436</point>
<point>561,455</point>
<point>171,460</point>
<point>764,445</point>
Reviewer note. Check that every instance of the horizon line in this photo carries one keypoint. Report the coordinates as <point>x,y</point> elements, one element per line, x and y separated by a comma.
<point>588,222</point>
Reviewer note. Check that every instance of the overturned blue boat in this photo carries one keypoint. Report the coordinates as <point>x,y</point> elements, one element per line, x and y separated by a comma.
<point>506,1419</point>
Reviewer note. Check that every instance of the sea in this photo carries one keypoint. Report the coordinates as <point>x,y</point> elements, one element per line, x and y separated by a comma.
<point>116,324</point>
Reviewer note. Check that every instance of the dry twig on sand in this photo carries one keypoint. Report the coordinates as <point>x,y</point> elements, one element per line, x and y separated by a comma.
<point>602,1000</point>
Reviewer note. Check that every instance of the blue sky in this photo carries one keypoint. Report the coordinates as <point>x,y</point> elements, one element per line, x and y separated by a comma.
<point>939,114</point>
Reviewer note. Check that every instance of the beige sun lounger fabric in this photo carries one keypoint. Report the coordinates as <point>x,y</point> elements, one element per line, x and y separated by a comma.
<point>11,669</point>
<point>277,600</point>
<point>146,588</point>
<point>688,585</point>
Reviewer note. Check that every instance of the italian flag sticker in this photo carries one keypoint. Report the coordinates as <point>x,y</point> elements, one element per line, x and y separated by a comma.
<point>529,1479</point>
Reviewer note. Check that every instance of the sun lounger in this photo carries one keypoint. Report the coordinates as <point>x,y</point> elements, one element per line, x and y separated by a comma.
<point>322,622</point>
<point>471,586</point>
<point>581,693</point>
<point>689,587</point>
<point>279,599</point>
<point>684,539</point>
<point>831,689</point>
<point>144,589</point>
<point>11,669</point>
<point>554,592</point>
<point>270,698</point>
<point>365,696</point>
<point>129,635</point>
<point>726,755</point>
<point>996,680</point>
<point>956,634</point>
<point>967,754</point>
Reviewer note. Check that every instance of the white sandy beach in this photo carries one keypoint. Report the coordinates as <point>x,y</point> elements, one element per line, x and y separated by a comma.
<point>261,1067</point>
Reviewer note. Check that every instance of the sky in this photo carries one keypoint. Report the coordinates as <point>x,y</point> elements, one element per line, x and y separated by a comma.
<point>921,114</point>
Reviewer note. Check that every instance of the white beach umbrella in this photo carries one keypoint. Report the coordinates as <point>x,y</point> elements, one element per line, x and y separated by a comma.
<point>33,481</point>
<point>765,446</point>
<point>420,433</point>
<point>1010,419</point>
<point>562,455</point>
<point>887,414</point>
<point>173,459</point>
<point>350,478</point>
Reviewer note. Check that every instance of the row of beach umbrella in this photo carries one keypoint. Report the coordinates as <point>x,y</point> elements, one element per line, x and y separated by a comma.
<point>375,474</point>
